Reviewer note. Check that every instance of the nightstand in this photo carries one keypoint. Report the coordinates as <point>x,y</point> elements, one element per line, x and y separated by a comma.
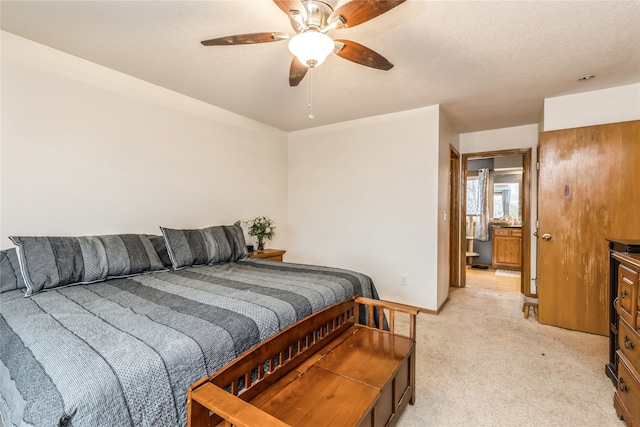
<point>268,254</point>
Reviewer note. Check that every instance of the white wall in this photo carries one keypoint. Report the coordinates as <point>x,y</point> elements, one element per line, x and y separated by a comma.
<point>518,137</point>
<point>618,104</point>
<point>364,195</point>
<point>87,150</point>
<point>447,139</point>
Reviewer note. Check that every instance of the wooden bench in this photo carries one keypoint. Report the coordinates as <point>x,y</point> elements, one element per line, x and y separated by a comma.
<point>330,369</point>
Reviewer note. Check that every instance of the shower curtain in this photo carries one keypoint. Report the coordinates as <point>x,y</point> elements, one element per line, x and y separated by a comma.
<point>481,231</point>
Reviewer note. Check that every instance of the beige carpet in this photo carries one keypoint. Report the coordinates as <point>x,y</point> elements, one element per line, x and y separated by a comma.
<point>480,363</point>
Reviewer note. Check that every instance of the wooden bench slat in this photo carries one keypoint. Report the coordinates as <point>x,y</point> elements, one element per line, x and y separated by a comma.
<point>409,309</point>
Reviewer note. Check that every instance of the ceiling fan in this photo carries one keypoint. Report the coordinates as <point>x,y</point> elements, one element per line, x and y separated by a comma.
<point>312,20</point>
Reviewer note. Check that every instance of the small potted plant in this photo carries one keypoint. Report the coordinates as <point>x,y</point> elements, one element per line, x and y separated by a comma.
<point>263,228</point>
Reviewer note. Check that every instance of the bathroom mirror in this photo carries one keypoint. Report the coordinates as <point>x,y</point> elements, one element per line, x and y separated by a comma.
<point>507,186</point>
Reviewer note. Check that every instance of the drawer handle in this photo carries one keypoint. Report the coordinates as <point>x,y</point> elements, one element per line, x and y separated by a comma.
<point>628,344</point>
<point>622,387</point>
<point>624,294</point>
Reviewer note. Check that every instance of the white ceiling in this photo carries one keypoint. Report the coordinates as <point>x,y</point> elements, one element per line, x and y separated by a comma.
<point>489,64</point>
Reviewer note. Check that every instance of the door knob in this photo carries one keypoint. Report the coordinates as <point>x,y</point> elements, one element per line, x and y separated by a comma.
<point>546,237</point>
<point>621,386</point>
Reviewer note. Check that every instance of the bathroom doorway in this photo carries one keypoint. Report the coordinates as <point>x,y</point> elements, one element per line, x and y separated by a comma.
<point>504,246</point>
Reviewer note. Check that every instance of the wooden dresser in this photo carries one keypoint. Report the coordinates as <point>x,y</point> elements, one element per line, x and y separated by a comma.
<point>507,248</point>
<point>624,338</point>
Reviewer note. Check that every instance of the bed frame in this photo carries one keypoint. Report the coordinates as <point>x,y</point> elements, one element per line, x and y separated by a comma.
<point>332,368</point>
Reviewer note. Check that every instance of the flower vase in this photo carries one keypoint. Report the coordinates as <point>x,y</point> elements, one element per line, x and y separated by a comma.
<point>260,245</point>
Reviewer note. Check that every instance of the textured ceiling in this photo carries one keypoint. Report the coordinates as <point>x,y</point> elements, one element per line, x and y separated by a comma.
<point>489,64</point>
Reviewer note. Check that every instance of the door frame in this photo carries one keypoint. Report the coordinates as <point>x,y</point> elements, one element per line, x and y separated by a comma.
<point>525,276</point>
<point>454,217</point>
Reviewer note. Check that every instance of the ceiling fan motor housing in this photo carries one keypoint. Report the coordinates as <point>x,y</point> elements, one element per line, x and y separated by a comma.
<point>317,13</point>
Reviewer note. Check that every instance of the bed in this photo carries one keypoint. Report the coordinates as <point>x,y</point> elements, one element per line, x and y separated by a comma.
<point>122,351</point>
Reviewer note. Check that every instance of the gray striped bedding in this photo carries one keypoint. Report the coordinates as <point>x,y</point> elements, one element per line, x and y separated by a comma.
<point>123,352</point>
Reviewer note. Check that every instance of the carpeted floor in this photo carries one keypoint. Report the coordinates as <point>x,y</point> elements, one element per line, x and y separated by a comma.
<point>480,363</point>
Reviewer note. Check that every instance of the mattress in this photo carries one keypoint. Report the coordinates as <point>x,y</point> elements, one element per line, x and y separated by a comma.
<point>123,352</point>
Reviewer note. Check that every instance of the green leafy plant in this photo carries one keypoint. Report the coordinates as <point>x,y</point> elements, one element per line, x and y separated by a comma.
<point>263,228</point>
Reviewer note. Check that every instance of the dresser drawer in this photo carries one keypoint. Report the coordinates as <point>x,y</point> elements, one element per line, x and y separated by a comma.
<point>508,232</point>
<point>629,342</point>
<point>501,232</point>
<point>630,276</point>
<point>629,388</point>
<point>627,294</point>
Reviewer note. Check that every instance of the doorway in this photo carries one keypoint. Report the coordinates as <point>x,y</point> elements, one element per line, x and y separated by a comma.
<point>507,237</point>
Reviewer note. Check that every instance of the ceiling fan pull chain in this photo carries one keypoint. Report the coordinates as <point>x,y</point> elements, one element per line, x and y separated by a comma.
<point>310,93</point>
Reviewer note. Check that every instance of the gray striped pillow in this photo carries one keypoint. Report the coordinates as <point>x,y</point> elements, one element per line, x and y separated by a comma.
<point>10,275</point>
<point>50,262</point>
<point>161,247</point>
<point>206,246</point>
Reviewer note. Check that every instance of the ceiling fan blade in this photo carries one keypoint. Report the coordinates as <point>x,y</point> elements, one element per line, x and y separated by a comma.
<point>246,39</point>
<point>297,72</point>
<point>358,11</point>
<point>289,5</point>
<point>362,55</point>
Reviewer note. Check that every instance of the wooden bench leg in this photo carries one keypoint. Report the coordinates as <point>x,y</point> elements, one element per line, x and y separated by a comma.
<point>198,415</point>
<point>526,308</point>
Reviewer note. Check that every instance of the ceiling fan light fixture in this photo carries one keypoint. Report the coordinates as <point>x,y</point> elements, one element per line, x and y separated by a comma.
<point>311,47</point>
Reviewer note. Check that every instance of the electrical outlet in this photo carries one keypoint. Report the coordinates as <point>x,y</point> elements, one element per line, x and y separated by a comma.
<point>403,280</point>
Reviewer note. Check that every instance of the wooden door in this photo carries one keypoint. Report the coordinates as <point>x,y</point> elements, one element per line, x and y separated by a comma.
<point>588,190</point>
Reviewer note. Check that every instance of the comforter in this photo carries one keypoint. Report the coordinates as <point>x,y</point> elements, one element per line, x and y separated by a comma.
<point>124,351</point>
